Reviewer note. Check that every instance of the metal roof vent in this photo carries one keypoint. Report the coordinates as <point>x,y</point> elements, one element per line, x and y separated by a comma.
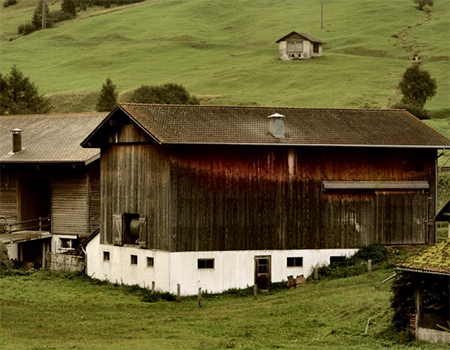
<point>276,125</point>
<point>16,140</point>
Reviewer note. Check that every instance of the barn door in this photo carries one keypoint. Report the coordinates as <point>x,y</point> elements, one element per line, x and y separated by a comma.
<point>262,271</point>
<point>401,217</point>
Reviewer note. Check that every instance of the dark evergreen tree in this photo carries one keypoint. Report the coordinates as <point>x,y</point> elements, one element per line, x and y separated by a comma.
<point>107,100</point>
<point>69,6</point>
<point>37,16</point>
<point>417,86</point>
<point>18,95</point>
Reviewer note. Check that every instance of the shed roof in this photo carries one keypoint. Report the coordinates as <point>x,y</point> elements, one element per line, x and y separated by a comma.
<point>230,125</point>
<point>304,35</point>
<point>444,213</point>
<point>435,259</point>
<point>49,138</point>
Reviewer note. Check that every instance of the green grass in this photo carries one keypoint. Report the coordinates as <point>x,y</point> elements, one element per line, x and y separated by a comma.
<point>213,49</point>
<point>48,311</point>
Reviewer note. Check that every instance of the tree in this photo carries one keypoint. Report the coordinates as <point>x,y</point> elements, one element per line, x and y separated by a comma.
<point>164,94</point>
<point>417,86</point>
<point>422,3</point>
<point>107,100</point>
<point>69,6</point>
<point>37,16</point>
<point>18,95</point>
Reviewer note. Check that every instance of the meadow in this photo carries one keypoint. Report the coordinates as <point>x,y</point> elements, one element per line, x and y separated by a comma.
<point>225,52</point>
<point>45,310</point>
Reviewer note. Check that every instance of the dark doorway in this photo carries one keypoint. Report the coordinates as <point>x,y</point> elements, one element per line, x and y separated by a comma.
<point>34,200</point>
<point>262,272</point>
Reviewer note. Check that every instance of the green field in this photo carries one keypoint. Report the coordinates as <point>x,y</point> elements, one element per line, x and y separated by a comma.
<point>225,51</point>
<point>45,311</point>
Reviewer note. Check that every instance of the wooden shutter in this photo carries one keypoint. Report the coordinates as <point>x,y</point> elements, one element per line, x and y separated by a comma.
<point>118,226</point>
<point>142,231</point>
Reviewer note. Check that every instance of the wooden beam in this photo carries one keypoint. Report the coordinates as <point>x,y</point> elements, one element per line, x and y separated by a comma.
<point>375,185</point>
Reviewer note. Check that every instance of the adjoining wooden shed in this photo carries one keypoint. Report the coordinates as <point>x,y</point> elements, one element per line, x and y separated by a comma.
<point>223,197</point>
<point>300,46</point>
<point>46,174</point>
<point>431,271</point>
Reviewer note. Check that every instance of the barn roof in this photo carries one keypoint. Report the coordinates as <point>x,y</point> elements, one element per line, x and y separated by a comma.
<point>49,138</point>
<point>304,35</point>
<point>231,125</point>
<point>435,259</point>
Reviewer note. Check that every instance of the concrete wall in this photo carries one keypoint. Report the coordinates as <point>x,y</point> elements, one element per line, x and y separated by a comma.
<point>61,262</point>
<point>432,335</point>
<point>232,269</point>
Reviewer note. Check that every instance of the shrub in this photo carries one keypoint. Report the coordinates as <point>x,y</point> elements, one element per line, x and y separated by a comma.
<point>25,29</point>
<point>8,3</point>
<point>107,100</point>
<point>59,16</point>
<point>414,109</point>
<point>164,94</point>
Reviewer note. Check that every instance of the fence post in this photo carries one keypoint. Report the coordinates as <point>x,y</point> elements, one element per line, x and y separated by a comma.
<point>10,233</point>
<point>200,297</point>
<point>255,291</point>
<point>369,267</point>
<point>153,287</point>
<point>40,226</point>
<point>178,292</point>
<point>316,274</point>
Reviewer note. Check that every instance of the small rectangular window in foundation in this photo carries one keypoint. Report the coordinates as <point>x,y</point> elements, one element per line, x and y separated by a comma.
<point>134,260</point>
<point>205,263</point>
<point>106,256</point>
<point>150,262</point>
<point>295,262</point>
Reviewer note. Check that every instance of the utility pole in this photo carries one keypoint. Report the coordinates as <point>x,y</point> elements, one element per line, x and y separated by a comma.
<point>321,14</point>
<point>44,15</point>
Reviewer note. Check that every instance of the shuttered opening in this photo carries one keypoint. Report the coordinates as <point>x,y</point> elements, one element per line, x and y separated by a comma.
<point>70,206</point>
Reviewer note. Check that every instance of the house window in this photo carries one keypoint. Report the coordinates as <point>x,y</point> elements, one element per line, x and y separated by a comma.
<point>205,263</point>
<point>295,262</point>
<point>150,262</point>
<point>335,260</point>
<point>134,260</point>
<point>316,47</point>
<point>106,256</point>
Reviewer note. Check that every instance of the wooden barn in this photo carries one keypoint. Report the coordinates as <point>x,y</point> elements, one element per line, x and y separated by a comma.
<point>220,197</point>
<point>300,46</point>
<point>46,174</point>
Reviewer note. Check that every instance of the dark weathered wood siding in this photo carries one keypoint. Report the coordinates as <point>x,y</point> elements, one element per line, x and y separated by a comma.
<point>8,195</point>
<point>135,180</point>
<point>75,195</point>
<point>244,197</point>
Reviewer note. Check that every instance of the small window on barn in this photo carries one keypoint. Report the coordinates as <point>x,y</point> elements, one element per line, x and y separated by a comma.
<point>150,262</point>
<point>295,262</point>
<point>106,256</point>
<point>134,259</point>
<point>336,260</point>
<point>316,47</point>
<point>205,263</point>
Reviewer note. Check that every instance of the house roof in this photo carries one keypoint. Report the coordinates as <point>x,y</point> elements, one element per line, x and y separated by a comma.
<point>435,259</point>
<point>183,124</point>
<point>444,213</point>
<point>49,138</point>
<point>304,35</point>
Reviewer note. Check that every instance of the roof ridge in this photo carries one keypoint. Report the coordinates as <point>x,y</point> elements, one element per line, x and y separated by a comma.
<point>262,107</point>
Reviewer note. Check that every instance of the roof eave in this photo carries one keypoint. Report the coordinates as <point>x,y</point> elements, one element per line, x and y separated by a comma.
<point>406,269</point>
<point>304,144</point>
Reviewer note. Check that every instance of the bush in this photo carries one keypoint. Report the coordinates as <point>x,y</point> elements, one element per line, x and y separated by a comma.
<point>8,3</point>
<point>414,109</point>
<point>59,16</point>
<point>355,264</point>
<point>25,29</point>
<point>164,94</point>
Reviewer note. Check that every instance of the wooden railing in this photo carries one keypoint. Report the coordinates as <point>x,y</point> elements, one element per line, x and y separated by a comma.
<point>41,223</point>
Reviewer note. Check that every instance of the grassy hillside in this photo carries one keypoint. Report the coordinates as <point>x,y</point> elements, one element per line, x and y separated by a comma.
<point>225,51</point>
<point>44,311</point>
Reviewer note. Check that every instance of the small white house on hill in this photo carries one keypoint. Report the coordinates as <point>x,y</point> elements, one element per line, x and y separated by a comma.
<point>300,46</point>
